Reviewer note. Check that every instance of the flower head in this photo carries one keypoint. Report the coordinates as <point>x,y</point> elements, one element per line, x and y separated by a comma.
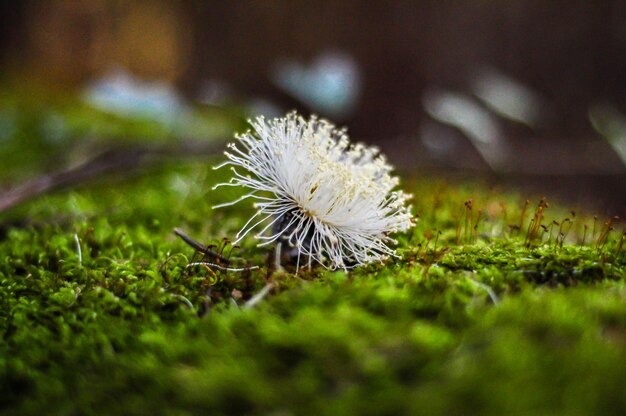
<point>330,200</point>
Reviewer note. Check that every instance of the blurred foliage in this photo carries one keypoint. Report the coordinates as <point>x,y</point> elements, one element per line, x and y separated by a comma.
<point>480,314</point>
<point>41,129</point>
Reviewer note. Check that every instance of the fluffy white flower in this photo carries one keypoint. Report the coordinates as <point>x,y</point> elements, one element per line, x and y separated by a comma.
<point>331,201</point>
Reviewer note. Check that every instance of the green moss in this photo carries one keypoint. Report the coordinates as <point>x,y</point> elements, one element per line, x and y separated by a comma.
<point>472,318</point>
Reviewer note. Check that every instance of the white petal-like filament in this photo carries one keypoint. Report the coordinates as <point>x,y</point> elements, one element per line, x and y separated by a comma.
<point>333,201</point>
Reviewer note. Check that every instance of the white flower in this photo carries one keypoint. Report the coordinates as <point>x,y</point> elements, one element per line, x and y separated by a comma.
<point>331,201</point>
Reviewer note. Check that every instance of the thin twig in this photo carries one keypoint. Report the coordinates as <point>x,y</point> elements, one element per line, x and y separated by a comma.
<point>124,159</point>
<point>492,295</point>
<point>217,266</point>
<point>79,251</point>
<point>200,247</point>
<point>183,299</point>
<point>254,300</point>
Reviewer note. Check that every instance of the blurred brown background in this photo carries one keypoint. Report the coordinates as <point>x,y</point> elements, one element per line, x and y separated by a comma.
<point>527,93</point>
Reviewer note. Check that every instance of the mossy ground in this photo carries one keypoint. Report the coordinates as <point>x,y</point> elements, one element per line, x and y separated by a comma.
<point>100,315</point>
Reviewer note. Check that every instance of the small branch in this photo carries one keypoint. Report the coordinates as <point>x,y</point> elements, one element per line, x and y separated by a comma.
<point>254,300</point>
<point>200,247</point>
<point>492,295</point>
<point>123,159</point>
<point>217,266</point>
<point>79,251</point>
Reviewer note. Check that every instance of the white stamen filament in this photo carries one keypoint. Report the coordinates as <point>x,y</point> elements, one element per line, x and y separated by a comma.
<point>334,202</point>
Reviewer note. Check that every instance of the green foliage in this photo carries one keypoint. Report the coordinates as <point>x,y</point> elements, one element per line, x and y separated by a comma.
<point>100,314</point>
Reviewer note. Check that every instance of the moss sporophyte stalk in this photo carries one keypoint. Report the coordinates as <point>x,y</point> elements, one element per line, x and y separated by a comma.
<point>328,200</point>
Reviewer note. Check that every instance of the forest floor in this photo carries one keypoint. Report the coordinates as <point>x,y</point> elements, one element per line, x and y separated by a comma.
<point>495,305</point>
